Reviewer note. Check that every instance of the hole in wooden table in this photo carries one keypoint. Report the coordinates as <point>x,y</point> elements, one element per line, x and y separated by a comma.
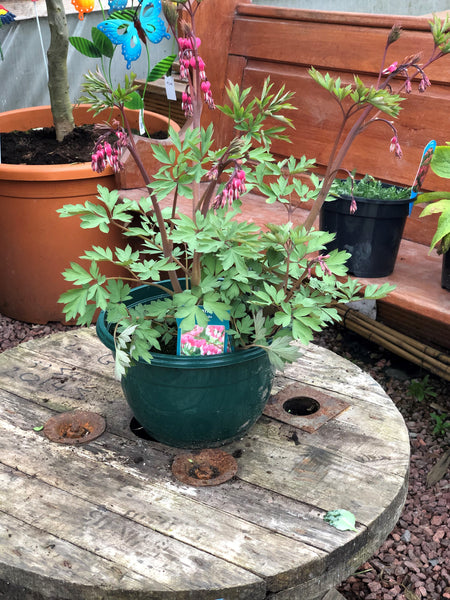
<point>301,406</point>
<point>139,431</point>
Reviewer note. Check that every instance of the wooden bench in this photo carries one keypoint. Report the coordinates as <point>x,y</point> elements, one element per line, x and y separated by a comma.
<point>108,519</point>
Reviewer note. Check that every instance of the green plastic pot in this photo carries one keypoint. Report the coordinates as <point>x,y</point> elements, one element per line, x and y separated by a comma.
<point>194,402</point>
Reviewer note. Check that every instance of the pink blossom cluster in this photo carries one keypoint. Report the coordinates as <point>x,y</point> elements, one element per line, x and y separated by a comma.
<point>217,333</point>
<point>424,83</point>
<point>203,341</point>
<point>186,103</point>
<point>394,67</point>
<point>189,60</point>
<point>233,189</point>
<point>212,174</point>
<point>395,147</point>
<point>106,154</point>
<point>320,260</point>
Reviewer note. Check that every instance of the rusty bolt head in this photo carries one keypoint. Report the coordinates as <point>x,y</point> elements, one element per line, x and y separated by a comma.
<point>204,468</point>
<point>75,427</point>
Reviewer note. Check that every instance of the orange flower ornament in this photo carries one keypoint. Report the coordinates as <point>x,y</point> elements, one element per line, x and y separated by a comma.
<point>83,6</point>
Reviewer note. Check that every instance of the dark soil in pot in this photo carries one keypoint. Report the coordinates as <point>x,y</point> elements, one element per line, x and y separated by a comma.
<point>40,147</point>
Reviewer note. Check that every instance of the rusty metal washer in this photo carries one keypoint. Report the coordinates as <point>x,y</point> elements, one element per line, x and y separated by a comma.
<point>75,427</point>
<point>207,467</point>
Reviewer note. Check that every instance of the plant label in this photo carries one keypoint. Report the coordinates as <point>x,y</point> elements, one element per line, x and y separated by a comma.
<point>170,87</point>
<point>203,340</point>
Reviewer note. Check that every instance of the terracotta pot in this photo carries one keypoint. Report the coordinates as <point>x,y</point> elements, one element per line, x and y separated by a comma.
<point>130,177</point>
<point>36,245</point>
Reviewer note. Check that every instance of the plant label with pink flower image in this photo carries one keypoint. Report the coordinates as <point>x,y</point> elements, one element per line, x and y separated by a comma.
<point>204,341</point>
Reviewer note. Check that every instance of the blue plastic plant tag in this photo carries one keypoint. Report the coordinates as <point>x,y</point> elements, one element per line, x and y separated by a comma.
<point>204,341</point>
<point>427,155</point>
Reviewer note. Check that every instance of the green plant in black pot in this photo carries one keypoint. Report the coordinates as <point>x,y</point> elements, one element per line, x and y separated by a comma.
<point>368,187</point>
<point>368,217</point>
<point>360,107</point>
<point>439,203</point>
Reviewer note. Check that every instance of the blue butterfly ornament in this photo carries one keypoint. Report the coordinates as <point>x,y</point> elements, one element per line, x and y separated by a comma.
<point>116,5</point>
<point>129,34</point>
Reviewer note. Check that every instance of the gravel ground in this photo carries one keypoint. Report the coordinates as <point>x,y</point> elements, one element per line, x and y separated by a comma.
<point>414,562</point>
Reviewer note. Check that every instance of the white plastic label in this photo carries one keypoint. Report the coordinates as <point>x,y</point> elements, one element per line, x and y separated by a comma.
<point>170,87</point>
<point>141,122</point>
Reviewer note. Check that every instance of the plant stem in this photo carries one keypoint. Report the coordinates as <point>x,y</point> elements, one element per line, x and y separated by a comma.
<point>333,167</point>
<point>167,245</point>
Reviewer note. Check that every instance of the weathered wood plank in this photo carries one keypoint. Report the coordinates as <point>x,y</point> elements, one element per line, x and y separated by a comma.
<point>28,551</point>
<point>72,348</point>
<point>396,428</point>
<point>319,477</point>
<point>84,351</point>
<point>297,594</point>
<point>345,440</point>
<point>333,595</point>
<point>120,458</point>
<point>312,43</point>
<point>119,540</point>
<point>61,386</point>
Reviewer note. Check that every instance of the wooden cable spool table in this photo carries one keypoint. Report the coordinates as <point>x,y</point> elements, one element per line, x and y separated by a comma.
<point>108,520</point>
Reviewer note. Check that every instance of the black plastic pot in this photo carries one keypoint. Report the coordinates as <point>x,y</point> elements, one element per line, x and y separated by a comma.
<point>445,279</point>
<point>372,235</point>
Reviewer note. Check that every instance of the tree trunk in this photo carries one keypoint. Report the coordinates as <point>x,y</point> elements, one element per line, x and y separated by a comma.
<point>58,83</point>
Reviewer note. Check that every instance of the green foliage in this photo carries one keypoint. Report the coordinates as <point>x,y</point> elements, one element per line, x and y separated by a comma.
<point>439,202</point>
<point>442,423</point>
<point>85,47</point>
<point>441,33</point>
<point>99,46</point>
<point>341,519</point>
<point>162,68</point>
<point>440,163</point>
<point>249,116</point>
<point>331,84</point>
<point>368,187</point>
<point>98,92</point>
<point>420,390</point>
<point>359,94</point>
<point>274,285</point>
<point>382,99</point>
<point>97,87</point>
<point>246,272</point>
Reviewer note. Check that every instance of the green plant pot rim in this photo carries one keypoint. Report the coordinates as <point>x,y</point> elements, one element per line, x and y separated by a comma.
<point>141,295</point>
